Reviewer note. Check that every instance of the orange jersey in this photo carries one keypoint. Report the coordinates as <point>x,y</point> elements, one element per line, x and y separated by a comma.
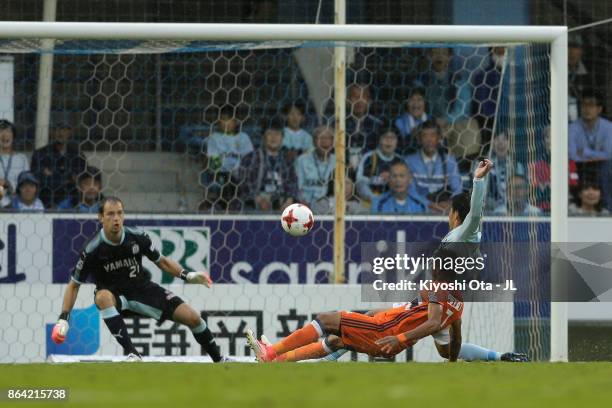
<point>451,301</point>
<point>360,332</point>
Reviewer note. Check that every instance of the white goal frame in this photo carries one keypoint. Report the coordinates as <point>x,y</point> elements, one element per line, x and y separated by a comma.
<point>556,36</point>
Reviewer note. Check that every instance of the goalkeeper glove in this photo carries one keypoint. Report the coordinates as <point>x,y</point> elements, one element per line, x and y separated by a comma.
<point>196,277</point>
<point>60,330</point>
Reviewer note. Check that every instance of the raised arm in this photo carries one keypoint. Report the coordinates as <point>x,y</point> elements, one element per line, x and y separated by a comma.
<point>472,220</point>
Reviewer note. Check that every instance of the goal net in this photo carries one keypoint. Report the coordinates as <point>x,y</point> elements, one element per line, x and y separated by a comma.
<point>182,132</point>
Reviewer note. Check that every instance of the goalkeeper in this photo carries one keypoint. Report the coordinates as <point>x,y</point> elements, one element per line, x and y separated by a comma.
<point>112,259</point>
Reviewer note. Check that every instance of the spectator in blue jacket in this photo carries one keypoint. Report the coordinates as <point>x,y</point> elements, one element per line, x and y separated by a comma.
<point>434,170</point>
<point>362,127</point>
<point>590,144</point>
<point>415,113</point>
<point>26,199</point>
<point>89,193</point>
<point>449,99</point>
<point>314,168</point>
<point>270,182</point>
<point>590,137</point>
<point>448,94</point>
<point>373,171</point>
<point>401,197</point>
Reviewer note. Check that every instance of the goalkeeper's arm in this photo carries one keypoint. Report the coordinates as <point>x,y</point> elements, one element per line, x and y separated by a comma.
<point>173,268</point>
<point>60,330</point>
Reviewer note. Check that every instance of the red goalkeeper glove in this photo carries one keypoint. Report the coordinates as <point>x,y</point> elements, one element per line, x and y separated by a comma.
<point>60,330</point>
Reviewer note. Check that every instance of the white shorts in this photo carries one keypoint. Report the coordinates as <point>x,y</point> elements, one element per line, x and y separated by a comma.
<point>442,337</point>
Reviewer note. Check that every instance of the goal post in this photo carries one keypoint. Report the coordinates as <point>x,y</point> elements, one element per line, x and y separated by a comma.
<point>559,185</point>
<point>339,146</point>
<point>337,36</point>
<point>280,32</point>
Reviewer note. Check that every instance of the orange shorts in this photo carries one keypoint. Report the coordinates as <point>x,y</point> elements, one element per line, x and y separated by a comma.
<point>360,332</point>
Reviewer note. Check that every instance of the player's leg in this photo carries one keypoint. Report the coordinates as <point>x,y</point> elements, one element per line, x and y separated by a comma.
<point>154,301</point>
<point>186,315</point>
<point>312,351</point>
<point>473,352</point>
<point>323,324</point>
<point>107,304</point>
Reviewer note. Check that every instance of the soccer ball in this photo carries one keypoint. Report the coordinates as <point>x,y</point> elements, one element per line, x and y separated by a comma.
<point>297,220</point>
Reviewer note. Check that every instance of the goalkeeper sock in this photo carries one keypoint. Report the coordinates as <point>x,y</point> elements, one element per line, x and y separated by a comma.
<point>301,337</point>
<point>308,352</point>
<point>203,335</point>
<point>472,352</point>
<point>117,327</point>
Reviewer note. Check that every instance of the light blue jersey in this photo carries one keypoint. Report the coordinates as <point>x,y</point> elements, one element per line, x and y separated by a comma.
<point>231,148</point>
<point>297,139</point>
<point>469,230</point>
<point>313,176</point>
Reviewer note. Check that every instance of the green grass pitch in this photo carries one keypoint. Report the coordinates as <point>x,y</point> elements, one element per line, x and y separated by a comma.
<point>373,385</point>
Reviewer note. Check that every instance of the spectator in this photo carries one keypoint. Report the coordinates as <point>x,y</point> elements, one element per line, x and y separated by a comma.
<point>448,94</point>
<point>11,163</point>
<point>414,115</point>
<point>577,75</point>
<point>57,165</point>
<point>517,199</point>
<point>269,173</point>
<point>504,165</point>
<point>26,199</point>
<point>590,138</point>
<point>362,127</point>
<point>486,82</point>
<point>373,171</point>
<point>401,197</point>
<point>589,202</point>
<point>539,175</point>
<point>295,139</point>
<point>327,204</point>
<point>314,168</point>
<point>226,147</point>
<point>434,169</point>
<point>89,193</point>
<point>449,98</point>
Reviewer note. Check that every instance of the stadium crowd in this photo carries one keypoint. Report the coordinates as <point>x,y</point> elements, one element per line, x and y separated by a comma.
<point>410,164</point>
<point>414,163</point>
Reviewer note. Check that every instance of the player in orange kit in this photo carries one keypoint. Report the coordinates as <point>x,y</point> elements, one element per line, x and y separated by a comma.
<point>384,334</point>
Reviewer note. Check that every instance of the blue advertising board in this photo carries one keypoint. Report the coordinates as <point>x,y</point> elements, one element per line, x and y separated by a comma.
<point>258,251</point>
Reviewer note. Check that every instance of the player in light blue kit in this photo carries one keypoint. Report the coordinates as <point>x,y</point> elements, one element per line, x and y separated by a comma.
<point>464,222</point>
